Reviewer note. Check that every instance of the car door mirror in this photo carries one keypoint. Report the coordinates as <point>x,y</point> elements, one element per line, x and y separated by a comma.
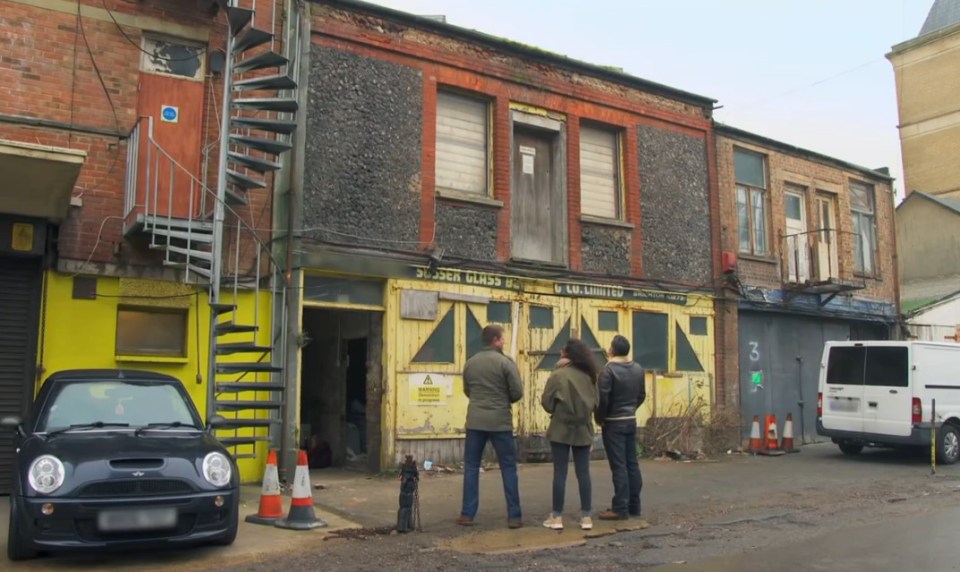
<point>12,423</point>
<point>216,422</point>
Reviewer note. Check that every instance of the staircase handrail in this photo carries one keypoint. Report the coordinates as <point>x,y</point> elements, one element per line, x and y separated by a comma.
<point>263,246</point>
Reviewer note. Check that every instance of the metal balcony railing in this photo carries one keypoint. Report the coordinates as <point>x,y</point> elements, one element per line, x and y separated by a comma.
<point>813,256</point>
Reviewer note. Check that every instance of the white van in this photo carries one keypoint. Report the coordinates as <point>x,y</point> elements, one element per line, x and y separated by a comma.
<point>880,394</point>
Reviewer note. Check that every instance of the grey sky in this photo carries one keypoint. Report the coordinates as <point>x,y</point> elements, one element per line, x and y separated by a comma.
<point>807,72</point>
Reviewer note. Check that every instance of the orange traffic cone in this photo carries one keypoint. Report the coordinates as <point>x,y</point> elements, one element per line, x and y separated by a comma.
<point>787,444</point>
<point>271,505</point>
<point>301,515</point>
<point>771,446</point>
<point>755,444</point>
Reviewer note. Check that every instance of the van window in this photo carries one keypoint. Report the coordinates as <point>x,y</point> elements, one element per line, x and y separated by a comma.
<point>845,365</point>
<point>887,366</point>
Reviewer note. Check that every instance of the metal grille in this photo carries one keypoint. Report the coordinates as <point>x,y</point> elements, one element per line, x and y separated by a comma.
<point>135,487</point>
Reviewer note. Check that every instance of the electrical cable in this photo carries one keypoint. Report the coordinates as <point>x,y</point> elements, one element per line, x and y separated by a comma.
<point>135,44</point>
<point>113,107</point>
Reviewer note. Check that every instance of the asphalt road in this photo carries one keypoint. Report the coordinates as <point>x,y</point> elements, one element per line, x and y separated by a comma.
<point>750,509</point>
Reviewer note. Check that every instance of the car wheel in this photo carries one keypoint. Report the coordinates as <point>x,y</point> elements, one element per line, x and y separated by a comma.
<point>948,445</point>
<point>850,447</point>
<point>17,546</point>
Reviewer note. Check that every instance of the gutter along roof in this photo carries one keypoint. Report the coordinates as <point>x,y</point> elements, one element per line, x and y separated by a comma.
<point>522,50</point>
<point>735,132</point>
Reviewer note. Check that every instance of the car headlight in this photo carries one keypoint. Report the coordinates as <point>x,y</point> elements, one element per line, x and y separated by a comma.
<point>217,470</point>
<point>46,474</point>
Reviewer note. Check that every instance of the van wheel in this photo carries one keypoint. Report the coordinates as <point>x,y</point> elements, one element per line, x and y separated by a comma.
<point>850,447</point>
<point>948,445</point>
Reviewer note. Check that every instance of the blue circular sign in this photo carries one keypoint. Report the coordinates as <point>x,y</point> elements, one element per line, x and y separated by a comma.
<point>169,113</point>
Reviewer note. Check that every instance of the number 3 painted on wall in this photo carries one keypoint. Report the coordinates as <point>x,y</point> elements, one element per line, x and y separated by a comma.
<point>754,354</point>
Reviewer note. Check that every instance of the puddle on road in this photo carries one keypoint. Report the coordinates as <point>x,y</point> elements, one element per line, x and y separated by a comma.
<point>534,537</point>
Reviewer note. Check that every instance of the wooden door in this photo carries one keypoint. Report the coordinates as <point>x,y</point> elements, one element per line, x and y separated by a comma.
<point>798,242</point>
<point>827,262</point>
<point>547,321</point>
<point>537,205</point>
<point>171,92</point>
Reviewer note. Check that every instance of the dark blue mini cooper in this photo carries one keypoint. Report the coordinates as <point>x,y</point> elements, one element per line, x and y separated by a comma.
<point>118,459</point>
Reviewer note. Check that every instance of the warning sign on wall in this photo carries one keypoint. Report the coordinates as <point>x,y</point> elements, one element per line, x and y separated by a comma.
<point>430,388</point>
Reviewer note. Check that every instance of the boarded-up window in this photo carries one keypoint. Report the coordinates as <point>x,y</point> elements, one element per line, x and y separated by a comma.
<point>599,172</point>
<point>651,340</point>
<point>462,143</point>
<point>439,346</point>
<point>499,312</point>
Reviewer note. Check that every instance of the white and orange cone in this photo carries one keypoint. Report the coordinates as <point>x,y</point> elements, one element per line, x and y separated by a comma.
<point>771,445</point>
<point>301,515</point>
<point>755,443</point>
<point>271,504</point>
<point>788,445</point>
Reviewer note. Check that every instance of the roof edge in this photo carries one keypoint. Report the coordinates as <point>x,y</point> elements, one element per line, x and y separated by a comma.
<point>522,50</point>
<point>736,132</point>
<point>918,41</point>
<point>932,198</point>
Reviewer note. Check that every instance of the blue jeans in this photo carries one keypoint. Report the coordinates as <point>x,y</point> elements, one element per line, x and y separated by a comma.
<point>507,458</point>
<point>581,463</point>
<point>620,443</point>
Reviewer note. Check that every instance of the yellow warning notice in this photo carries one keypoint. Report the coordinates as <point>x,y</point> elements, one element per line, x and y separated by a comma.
<point>429,389</point>
<point>22,239</point>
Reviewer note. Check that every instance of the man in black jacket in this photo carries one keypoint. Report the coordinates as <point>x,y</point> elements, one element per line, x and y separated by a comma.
<point>622,391</point>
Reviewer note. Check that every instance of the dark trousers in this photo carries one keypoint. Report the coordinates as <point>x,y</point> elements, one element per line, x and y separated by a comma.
<point>507,457</point>
<point>620,443</point>
<point>581,463</point>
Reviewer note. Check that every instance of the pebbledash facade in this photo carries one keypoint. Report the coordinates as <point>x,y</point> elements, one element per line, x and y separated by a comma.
<point>453,180</point>
<point>809,250</point>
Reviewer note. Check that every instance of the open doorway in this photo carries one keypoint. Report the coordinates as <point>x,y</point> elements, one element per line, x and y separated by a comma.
<point>340,388</point>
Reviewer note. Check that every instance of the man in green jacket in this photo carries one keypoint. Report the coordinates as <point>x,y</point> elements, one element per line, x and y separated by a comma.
<point>491,382</point>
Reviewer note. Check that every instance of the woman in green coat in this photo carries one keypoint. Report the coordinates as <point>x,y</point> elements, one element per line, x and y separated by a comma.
<point>570,398</point>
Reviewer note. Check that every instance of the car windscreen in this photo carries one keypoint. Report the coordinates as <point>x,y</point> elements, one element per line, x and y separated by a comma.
<point>886,366</point>
<point>136,404</point>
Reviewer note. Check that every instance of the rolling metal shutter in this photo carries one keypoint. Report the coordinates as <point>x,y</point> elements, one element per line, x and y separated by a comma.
<point>19,315</point>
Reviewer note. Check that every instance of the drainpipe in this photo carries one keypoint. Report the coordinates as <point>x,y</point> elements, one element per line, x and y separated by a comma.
<point>298,38</point>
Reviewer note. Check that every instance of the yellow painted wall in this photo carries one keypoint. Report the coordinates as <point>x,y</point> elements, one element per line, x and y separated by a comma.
<point>82,334</point>
<point>404,418</point>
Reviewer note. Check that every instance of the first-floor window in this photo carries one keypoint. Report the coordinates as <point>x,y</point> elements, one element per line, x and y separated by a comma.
<point>752,220</point>
<point>863,212</point>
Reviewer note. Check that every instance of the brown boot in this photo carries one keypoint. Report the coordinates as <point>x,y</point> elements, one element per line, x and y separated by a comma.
<point>514,523</point>
<point>610,515</point>
<point>465,521</point>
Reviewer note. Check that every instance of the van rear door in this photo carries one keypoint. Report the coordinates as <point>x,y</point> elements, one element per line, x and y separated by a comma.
<point>843,388</point>
<point>887,397</point>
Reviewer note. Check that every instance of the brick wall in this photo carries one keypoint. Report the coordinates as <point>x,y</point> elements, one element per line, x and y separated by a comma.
<point>505,78</point>
<point>47,73</point>
<point>812,174</point>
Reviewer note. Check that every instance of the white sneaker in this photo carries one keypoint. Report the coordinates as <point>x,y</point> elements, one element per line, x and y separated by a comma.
<point>554,523</point>
<point>586,523</point>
